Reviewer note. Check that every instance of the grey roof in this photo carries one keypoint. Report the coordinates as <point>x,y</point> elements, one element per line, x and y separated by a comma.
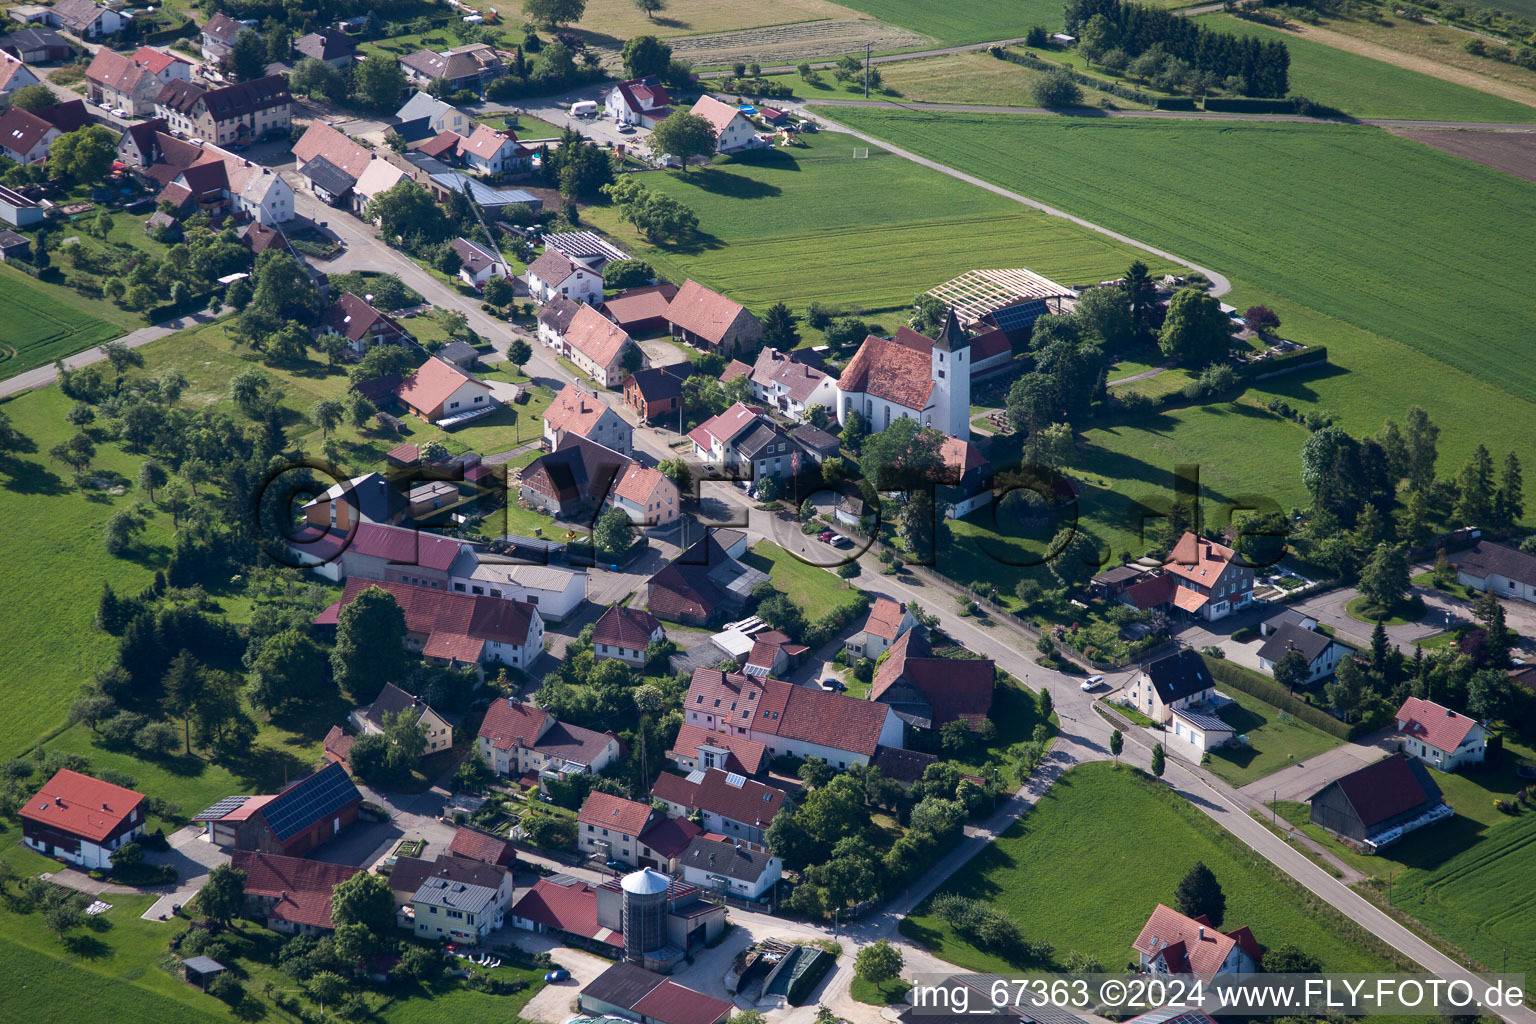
<point>1179,675</point>
<point>1287,615</point>
<point>484,194</point>
<point>622,985</point>
<point>457,350</point>
<point>10,239</point>
<point>1288,636</point>
<point>429,165</point>
<point>444,892</point>
<point>816,439</point>
<point>326,45</point>
<point>422,105</point>
<point>556,314</point>
<point>391,701</point>
<point>724,859</point>
<point>1485,559</point>
<point>28,39</point>
<point>762,434</point>
<point>411,873</point>
<point>203,965</point>
<point>326,175</point>
<point>1204,720</point>
<point>585,246</point>
<point>1119,574</point>
<point>902,765</point>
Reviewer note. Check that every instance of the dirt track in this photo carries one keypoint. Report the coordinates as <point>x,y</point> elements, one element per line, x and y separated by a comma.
<point>1514,152</point>
<point>806,40</point>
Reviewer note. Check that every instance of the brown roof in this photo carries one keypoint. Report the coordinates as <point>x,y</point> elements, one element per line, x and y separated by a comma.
<point>954,689</point>
<point>442,142</point>
<point>1191,945</point>
<point>605,810</point>
<point>638,304</point>
<point>509,724</point>
<point>82,806</point>
<point>432,383</point>
<point>338,744</point>
<point>485,142</point>
<point>625,627</point>
<point>890,370</point>
<point>746,756</point>
<point>20,130</point>
<point>456,625</point>
<point>558,312</point>
<point>804,713</point>
<point>1381,791</point>
<point>1199,560</point>
<point>300,887</point>
<point>733,369</point>
<point>596,337</point>
<point>326,45</point>
<point>774,367</point>
<point>553,267</point>
<point>77,15</point>
<point>473,844</point>
<point>574,411</point>
<point>116,71</point>
<point>410,873</point>
<point>902,765</point>
<point>670,836</point>
<point>321,140</point>
<point>703,312</point>
<point>352,317</point>
<point>731,796</point>
<point>671,1003</point>
<point>638,484</point>
<point>885,618</point>
<point>223,28</point>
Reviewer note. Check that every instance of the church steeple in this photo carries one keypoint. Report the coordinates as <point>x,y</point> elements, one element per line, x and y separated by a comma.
<point>952,337</point>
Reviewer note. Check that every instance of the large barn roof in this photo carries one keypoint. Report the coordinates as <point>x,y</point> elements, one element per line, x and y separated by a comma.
<point>977,293</point>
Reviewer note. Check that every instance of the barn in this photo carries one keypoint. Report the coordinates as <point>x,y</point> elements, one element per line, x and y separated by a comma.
<point>1379,802</point>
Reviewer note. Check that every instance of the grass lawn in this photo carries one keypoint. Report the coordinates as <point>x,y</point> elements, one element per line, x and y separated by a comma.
<point>1015,713</point>
<point>1362,87</point>
<point>46,321</point>
<point>1135,716</point>
<point>883,993</point>
<point>526,126</point>
<point>1361,610</point>
<point>813,223</point>
<point>1130,367</point>
<point>814,590</point>
<point>1112,873</point>
<point>964,21</point>
<point>1276,740</point>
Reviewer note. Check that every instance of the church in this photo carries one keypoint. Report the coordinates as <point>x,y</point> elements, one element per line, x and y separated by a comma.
<point>911,376</point>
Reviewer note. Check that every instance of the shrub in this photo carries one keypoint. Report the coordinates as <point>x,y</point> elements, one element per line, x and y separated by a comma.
<point>1056,89</point>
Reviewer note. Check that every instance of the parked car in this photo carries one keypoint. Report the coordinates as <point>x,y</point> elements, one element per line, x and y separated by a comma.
<point>1092,683</point>
<point>615,865</point>
<point>826,536</point>
<point>561,975</point>
<point>626,129</point>
<point>839,541</point>
<point>832,685</point>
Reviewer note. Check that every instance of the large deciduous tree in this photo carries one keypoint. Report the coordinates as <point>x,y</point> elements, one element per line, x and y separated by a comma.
<point>1195,330</point>
<point>83,155</point>
<point>645,55</point>
<point>685,136</point>
<point>370,642</point>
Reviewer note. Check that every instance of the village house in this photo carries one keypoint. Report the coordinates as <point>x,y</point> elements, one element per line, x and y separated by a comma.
<point>629,992</point>
<point>370,498</point>
<point>733,132</point>
<point>330,161</point>
<point>81,819</point>
<point>477,263</point>
<point>1171,683</point>
<point>631,833</point>
<point>704,583</point>
<point>623,634</point>
<point>599,347</point>
<point>449,911</point>
<point>231,115</point>
<point>218,183</point>
<point>305,814</point>
<point>554,319</point>
<point>930,692</point>
<point>815,442</point>
<point>731,805</point>
<point>133,82</point>
<point>455,629</point>
<point>729,868</point>
<point>575,412</point>
<point>410,874</point>
<point>573,480</point>
<point>424,116</point>
<point>967,481</point>
<point>1380,803</point>
<point>328,46</point>
<point>85,18</point>
<point>1171,943</point>
<point>519,740</point>
<point>439,391</point>
<point>472,844</point>
<point>1321,651</point>
<point>25,137</point>
<point>792,387</point>
<point>381,552</point>
<point>556,274</point>
<point>362,326</point>
<point>393,701</point>
<point>464,67</point>
<point>1497,569</point>
<point>772,654</point>
<point>219,34</point>
<point>640,101</point>
<point>14,75</point>
<point>1438,736</point>
<point>377,178</point>
<point>710,321</point>
<point>488,151</point>
<point>798,721</point>
<point>556,592</point>
<point>744,441</point>
<point>641,310</point>
<point>1201,579</point>
<point>910,376</point>
<point>36,46</point>
<point>647,496</point>
<point>653,393</point>
<point>696,747</point>
<point>291,894</point>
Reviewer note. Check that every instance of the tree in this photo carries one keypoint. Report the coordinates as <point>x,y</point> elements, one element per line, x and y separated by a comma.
<point>315,78</point>
<point>678,472</point>
<point>1074,557</point>
<point>519,352</point>
<point>408,210</point>
<point>473,774</point>
<point>1140,290</point>
<point>498,291</point>
<point>364,899</point>
<point>327,987</point>
<point>1475,487</point>
<point>327,414</point>
<point>222,897</point>
<point>1261,319</point>
<point>1056,89</point>
<point>1287,958</point>
<point>370,639</point>
<point>656,215</point>
<point>1291,669</point>
<point>359,410</point>
<point>554,13</point>
<point>246,60</point>
<point>377,81</point>
<point>1116,744</point>
<point>613,534</point>
<point>1509,502</point>
<point>1420,436</point>
<point>1105,314</point>
<point>1044,705</point>
<point>33,97</point>
<point>1196,330</point>
<point>684,136</point>
<point>77,452</point>
<point>1384,579</point>
<point>779,328</point>
<point>184,683</point>
<point>878,962</point>
<point>62,914</point>
<point>291,669</point>
<point>152,475</point>
<point>239,294</point>
<point>651,7</point>
<point>353,943</point>
<point>1159,760</point>
<point>1199,893</point>
<point>127,857</point>
<point>83,155</point>
<point>645,55</point>
<point>124,525</point>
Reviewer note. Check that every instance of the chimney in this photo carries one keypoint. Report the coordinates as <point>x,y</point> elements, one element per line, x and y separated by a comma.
<point>1202,933</point>
<point>58,801</point>
<point>105,807</point>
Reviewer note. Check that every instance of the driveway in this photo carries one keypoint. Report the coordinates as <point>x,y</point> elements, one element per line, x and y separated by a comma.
<point>556,1002</point>
<point>1299,781</point>
<point>193,857</point>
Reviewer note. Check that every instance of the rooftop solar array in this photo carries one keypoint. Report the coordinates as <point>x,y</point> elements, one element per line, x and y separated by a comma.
<point>309,800</point>
<point>223,807</point>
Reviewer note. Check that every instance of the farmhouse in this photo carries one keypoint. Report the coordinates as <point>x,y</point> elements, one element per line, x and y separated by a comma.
<point>234,114</point>
<point>575,412</point>
<point>464,67</point>
<point>472,844</point>
<point>733,132</point>
<point>697,748</point>
<point>1497,569</point>
<point>327,46</point>
<point>1438,736</point>
<point>639,101</point>
<point>629,992</point>
<point>219,34</point>
<point>631,832</point>
<point>330,161</point>
<point>653,393</point>
<point>292,894</point>
<point>600,348</point>
<point>216,183</point>
<point>730,804</point>
<point>886,623</point>
<point>303,815</point>
<point>362,326</point>
<point>1171,943</point>
<point>132,82</point>
<point>705,582</point>
<point>556,274</point>
<point>25,137</point>
<point>455,911</point>
<point>929,692</point>
<point>790,386</point>
<point>455,629</point>
<point>1201,579</point>
<point>1379,803</point>
<point>86,19</point>
<point>520,739</point>
<point>1174,682</point>
<point>555,592</point>
<point>647,496</point>
<point>708,320</point>
<point>742,440</point>
<point>392,701</point>
<point>967,481</point>
<point>910,376</point>
<point>380,552</point>
<point>623,634</point>
<point>641,310</point>
<point>439,391</point>
<point>733,869</point>
<point>411,874</point>
<point>81,819</point>
<point>1321,651</point>
<point>424,116</point>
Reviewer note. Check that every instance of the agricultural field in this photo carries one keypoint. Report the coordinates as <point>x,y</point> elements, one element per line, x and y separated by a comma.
<point>1514,152</point>
<point>1309,244</point>
<point>1362,87</point>
<point>619,19</point>
<point>46,321</point>
<point>815,223</point>
<point>1098,908</point>
<point>965,21</point>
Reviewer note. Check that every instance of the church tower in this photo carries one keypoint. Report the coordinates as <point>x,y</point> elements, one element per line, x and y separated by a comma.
<point>951,374</point>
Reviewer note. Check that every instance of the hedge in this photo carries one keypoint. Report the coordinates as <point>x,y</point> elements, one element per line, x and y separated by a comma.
<point>1285,363</point>
<point>1176,103</point>
<point>1270,692</point>
<point>1248,105</point>
<point>1120,91</point>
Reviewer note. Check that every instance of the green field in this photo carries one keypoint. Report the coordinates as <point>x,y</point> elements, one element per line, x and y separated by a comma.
<point>964,21</point>
<point>815,224</point>
<point>1362,87</point>
<point>1120,843</point>
<point>1276,740</point>
<point>43,322</point>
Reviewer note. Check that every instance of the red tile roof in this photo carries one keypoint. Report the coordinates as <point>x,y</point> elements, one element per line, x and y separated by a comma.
<point>301,888</point>
<point>405,452</point>
<point>1198,560</point>
<point>338,744</point>
<point>574,411</point>
<point>889,370</point>
<point>989,344</point>
<point>457,625</point>
<point>1392,786</point>
<point>614,812</point>
<point>156,60</point>
<point>1431,723</point>
<point>443,142</point>
<point>117,71</point>
<point>486,142</point>
<point>567,908</point>
<point>639,483</point>
<point>473,844</point>
<point>733,369</point>
<point>596,337</point>
<point>82,806</point>
<point>1180,941</point>
<point>407,547</point>
<point>954,688</point>
<point>751,802</point>
<point>354,319</point>
<point>670,836</point>
<point>746,756</point>
<point>772,706</point>
<point>625,627</point>
<point>20,130</point>
<point>960,457</point>
<point>718,114</point>
<point>432,383</point>
<point>885,618</point>
<point>508,724</point>
<point>725,427</point>
<point>638,304</point>
<point>702,312</point>
<point>671,1003</point>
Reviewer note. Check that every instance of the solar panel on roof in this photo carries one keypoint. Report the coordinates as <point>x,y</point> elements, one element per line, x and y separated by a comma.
<point>735,780</point>
<point>221,808</point>
<point>696,776</point>
<point>1017,317</point>
<point>309,800</point>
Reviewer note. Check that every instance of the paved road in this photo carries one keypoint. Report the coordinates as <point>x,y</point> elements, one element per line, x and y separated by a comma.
<point>42,376</point>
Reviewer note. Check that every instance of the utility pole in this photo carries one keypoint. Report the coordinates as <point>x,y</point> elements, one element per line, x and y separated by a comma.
<point>1274,812</point>
<point>866,71</point>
